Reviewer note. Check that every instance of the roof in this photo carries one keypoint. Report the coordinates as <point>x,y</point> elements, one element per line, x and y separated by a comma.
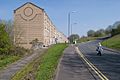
<point>28,3</point>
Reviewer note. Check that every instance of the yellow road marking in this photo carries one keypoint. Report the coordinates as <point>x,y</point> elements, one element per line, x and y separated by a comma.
<point>102,76</point>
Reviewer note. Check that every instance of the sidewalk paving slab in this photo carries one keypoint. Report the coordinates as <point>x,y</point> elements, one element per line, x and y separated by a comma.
<point>71,67</point>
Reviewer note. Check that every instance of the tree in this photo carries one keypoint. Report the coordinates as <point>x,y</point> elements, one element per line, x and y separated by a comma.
<point>9,29</point>
<point>5,43</point>
<point>115,31</point>
<point>73,37</point>
<point>108,29</point>
<point>99,33</point>
<point>90,33</point>
<point>116,24</point>
<point>19,33</point>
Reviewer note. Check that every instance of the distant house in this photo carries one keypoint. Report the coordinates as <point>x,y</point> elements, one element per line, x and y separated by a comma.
<point>32,22</point>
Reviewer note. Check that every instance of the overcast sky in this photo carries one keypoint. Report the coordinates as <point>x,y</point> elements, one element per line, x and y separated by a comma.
<point>90,14</point>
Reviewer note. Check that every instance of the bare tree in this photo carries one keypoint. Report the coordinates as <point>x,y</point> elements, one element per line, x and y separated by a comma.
<point>18,35</point>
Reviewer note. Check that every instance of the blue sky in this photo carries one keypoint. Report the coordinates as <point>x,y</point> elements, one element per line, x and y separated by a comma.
<point>90,14</point>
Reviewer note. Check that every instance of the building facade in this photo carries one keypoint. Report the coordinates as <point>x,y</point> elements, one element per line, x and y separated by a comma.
<point>32,22</point>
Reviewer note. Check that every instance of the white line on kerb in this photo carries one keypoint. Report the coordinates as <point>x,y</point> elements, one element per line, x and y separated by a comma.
<point>102,77</point>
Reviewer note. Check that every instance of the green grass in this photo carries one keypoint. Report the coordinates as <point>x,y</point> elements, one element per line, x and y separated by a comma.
<point>85,39</point>
<point>49,62</point>
<point>7,59</point>
<point>113,42</point>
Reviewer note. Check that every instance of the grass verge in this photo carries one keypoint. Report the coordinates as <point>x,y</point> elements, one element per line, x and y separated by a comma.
<point>113,42</point>
<point>49,62</point>
<point>7,59</point>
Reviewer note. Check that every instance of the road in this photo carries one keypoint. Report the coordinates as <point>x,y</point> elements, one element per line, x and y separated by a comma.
<point>108,63</point>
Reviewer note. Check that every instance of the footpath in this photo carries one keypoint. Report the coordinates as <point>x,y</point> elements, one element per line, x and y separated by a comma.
<point>11,69</point>
<point>71,67</point>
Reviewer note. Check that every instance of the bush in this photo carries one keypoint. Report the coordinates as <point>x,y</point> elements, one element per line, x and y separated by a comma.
<point>5,43</point>
<point>115,31</point>
<point>18,51</point>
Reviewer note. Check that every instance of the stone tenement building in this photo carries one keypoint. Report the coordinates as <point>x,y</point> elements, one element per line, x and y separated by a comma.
<point>32,22</point>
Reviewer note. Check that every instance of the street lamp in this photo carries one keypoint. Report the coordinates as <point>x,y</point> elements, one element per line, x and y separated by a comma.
<point>72,26</point>
<point>69,17</point>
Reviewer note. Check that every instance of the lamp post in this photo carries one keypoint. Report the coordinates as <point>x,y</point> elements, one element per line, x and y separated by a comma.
<point>72,26</point>
<point>69,22</point>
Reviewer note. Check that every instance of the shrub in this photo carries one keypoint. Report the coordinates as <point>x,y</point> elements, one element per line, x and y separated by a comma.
<point>5,43</point>
<point>18,51</point>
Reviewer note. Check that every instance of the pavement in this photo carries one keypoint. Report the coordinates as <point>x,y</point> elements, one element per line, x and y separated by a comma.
<point>71,67</point>
<point>10,70</point>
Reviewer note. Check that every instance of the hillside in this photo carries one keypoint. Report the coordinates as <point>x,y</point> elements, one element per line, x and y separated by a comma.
<point>113,42</point>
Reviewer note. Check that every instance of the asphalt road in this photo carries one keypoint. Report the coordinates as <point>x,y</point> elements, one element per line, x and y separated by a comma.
<point>108,63</point>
